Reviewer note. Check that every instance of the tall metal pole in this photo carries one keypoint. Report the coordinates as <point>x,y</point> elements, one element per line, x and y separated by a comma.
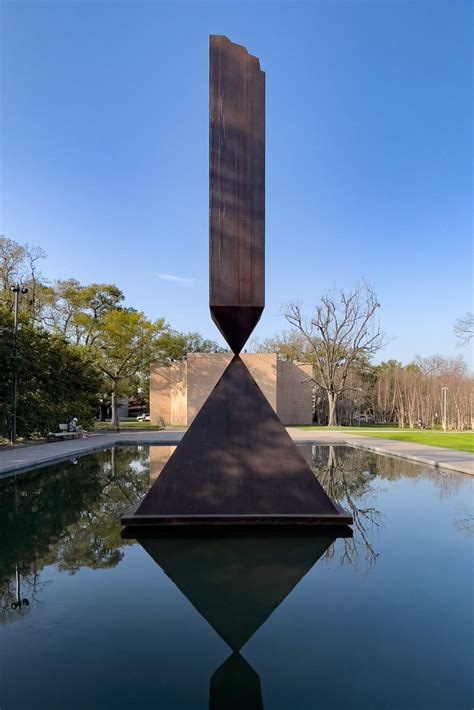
<point>16,290</point>
<point>445,408</point>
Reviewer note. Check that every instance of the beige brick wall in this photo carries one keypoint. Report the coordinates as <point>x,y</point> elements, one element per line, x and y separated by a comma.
<point>178,392</point>
<point>263,368</point>
<point>294,393</point>
<point>168,393</point>
<point>205,370</point>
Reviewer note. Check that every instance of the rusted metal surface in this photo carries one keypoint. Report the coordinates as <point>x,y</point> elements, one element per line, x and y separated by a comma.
<point>237,465</point>
<point>236,190</point>
<point>236,323</point>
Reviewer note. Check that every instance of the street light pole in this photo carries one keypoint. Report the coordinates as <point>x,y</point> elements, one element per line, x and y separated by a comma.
<point>445,407</point>
<point>17,290</point>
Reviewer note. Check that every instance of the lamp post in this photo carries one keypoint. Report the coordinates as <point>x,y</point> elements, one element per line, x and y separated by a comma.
<point>17,290</point>
<point>19,602</point>
<point>445,407</point>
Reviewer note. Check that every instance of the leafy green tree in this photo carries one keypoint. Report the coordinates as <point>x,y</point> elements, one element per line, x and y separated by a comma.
<point>55,380</point>
<point>288,345</point>
<point>173,345</point>
<point>170,346</point>
<point>93,321</point>
<point>77,312</point>
<point>125,346</point>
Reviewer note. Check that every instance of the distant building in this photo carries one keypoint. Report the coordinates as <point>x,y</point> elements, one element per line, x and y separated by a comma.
<point>178,391</point>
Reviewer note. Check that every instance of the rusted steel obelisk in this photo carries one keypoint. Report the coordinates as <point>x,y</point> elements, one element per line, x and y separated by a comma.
<point>236,190</point>
<point>236,464</point>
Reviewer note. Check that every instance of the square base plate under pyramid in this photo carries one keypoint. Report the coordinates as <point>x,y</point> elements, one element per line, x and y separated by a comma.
<point>236,465</point>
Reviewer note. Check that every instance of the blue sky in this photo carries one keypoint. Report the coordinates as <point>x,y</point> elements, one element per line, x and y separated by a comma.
<point>369,152</point>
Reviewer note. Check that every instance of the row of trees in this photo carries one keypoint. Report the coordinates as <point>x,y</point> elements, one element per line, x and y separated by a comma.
<point>77,346</point>
<point>339,340</point>
<point>413,394</point>
<point>82,339</point>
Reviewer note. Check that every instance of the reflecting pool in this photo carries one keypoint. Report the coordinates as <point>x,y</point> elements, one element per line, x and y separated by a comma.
<point>381,619</point>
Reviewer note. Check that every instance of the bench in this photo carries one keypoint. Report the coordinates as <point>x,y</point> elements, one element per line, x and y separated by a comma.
<point>63,434</point>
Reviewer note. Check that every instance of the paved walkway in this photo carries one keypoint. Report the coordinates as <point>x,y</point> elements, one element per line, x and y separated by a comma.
<point>16,460</point>
<point>36,455</point>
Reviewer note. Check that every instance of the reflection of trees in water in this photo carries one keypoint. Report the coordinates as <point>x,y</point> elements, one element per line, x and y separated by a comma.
<point>465,524</point>
<point>447,483</point>
<point>348,475</point>
<point>348,479</point>
<point>68,516</point>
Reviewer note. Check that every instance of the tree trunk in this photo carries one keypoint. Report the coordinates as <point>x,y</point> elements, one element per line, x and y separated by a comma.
<point>112,463</point>
<point>103,411</point>
<point>115,420</point>
<point>332,398</point>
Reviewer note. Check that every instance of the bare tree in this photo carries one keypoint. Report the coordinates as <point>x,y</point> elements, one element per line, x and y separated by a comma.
<point>19,265</point>
<point>342,334</point>
<point>464,329</point>
<point>413,394</point>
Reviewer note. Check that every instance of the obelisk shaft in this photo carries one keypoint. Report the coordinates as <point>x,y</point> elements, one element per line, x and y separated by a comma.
<point>236,190</point>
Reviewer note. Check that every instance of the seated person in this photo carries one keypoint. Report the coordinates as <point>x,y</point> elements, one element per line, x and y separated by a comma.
<point>75,426</point>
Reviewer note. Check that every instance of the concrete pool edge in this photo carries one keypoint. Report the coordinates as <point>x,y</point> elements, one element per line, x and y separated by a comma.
<point>435,456</point>
<point>18,460</point>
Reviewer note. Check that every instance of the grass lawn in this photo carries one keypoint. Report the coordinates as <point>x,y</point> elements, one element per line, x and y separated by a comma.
<point>131,424</point>
<point>459,441</point>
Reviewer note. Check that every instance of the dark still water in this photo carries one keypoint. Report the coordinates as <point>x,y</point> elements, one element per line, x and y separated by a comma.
<point>380,620</point>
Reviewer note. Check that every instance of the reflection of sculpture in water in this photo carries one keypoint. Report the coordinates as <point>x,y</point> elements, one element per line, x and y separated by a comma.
<point>236,581</point>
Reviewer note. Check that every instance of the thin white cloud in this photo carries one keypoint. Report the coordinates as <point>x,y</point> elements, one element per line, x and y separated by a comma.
<point>184,281</point>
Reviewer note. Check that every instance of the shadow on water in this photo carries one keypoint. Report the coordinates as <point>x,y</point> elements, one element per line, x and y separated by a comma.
<point>236,581</point>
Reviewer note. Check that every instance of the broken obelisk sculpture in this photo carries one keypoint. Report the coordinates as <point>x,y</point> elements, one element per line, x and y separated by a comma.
<point>236,464</point>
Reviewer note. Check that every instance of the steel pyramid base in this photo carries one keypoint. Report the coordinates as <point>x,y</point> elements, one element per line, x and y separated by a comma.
<point>236,465</point>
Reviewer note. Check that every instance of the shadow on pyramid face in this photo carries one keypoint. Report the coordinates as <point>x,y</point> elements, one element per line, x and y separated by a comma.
<point>235,580</point>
